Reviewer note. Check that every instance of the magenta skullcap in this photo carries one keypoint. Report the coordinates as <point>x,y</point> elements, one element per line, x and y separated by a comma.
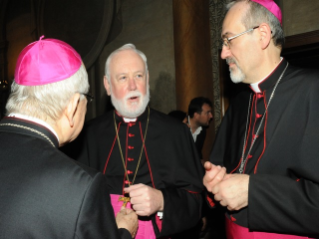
<point>272,7</point>
<point>46,61</point>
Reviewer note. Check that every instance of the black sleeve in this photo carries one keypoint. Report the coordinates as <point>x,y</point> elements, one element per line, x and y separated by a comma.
<point>288,202</point>
<point>183,195</point>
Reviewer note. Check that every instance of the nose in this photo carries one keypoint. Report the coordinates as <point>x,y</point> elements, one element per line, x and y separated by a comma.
<point>225,52</point>
<point>132,84</point>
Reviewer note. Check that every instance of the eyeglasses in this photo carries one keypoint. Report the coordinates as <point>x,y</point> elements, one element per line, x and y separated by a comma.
<point>89,97</point>
<point>226,41</point>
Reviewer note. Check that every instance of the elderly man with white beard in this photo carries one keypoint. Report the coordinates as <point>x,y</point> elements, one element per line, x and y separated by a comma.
<point>149,159</point>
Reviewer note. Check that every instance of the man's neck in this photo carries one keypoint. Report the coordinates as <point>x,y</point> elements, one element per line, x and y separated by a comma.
<point>264,69</point>
<point>255,86</point>
<point>37,121</point>
<point>192,124</point>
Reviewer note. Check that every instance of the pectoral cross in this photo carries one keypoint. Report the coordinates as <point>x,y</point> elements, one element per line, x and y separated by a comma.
<point>125,200</point>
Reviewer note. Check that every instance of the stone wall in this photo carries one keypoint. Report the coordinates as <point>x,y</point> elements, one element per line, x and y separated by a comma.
<point>217,13</point>
<point>299,16</point>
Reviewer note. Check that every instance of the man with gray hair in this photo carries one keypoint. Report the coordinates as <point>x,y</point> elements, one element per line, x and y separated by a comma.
<point>44,193</point>
<point>148,158</point>
<point>266,148</point>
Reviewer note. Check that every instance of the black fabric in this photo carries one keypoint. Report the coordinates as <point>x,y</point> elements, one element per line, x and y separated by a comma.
<point>283,187</point>
<point>173,160</point>
<point>45,194</point>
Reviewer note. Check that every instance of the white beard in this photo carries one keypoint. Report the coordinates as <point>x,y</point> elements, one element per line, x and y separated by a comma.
<point>237,76</point>
<point>134,110</point>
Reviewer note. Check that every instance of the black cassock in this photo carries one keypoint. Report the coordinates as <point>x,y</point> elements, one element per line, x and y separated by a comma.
<point>169,162</point>
<point>44,193</point>
<point>283,163</point>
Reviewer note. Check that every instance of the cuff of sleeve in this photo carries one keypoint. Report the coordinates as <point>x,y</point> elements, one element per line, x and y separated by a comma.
<point>124,233</point>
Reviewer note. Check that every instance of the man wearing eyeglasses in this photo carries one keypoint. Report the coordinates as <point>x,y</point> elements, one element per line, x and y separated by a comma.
<point>264,164</point>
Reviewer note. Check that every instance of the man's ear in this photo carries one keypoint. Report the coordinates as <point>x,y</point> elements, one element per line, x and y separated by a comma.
<point>265,35</point>
<point>107,85</point>
<point>72,108</point>
<point>196,115</point>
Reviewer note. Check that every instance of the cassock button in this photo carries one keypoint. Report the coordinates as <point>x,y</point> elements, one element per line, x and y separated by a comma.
<point>127,182</point>
<point>130,159</point>
<point>255,136</point>
<point>130,147</point>
<point>250,156</point>
<point>260,96</point>
<point>131,124</point>
<point>232,218</point>
<point>131,135</point>
<point>258,115</point>
<point>129,172</point>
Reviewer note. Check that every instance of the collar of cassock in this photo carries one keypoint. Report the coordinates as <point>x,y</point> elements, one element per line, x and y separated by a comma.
<point>28,127</point>
<point>271,79</point>
<point>127,120</point>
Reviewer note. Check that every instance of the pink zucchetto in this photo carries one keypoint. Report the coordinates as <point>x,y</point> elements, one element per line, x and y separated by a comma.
<point>272,7</point>
<point>46,61</point>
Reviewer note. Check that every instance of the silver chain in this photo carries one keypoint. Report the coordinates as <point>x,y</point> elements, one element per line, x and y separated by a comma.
<point>30,129</point>
<point>242,164</point>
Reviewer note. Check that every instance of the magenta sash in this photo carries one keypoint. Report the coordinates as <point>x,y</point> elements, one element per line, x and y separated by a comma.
<point>235,231</point>
<point>145,228</point>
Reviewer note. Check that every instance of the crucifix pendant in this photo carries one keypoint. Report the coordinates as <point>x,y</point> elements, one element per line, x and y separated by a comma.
<point>125,200</point>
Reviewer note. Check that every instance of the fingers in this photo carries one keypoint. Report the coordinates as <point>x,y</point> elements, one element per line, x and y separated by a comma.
<point>142,208</point>
<point>208,165</point>
<point>232,192</point>
<point>213,172</point>
<point>146,200</point>
<point>134,187</point>
<point>227,176</point>
<point>126,218</point>
<point>125,211</point>
<point>213,176</point>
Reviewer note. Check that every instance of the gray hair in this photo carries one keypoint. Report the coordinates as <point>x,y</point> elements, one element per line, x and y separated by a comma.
<point>47,102</point>
<point>258,14</point>
<point>128,46</point>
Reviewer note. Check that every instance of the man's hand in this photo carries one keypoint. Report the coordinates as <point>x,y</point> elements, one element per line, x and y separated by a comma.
<point>145,200</point>
<point>213,175</point>
<point>127,218</point>
<point>232,191</point>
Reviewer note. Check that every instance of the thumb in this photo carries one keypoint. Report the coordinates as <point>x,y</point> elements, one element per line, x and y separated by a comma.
<point>208,165</point>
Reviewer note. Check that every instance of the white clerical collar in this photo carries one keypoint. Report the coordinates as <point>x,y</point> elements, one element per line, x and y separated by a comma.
<point>126,120</point>
<point>38,121</point>
<point>197,131</point>
<point>255,86</point>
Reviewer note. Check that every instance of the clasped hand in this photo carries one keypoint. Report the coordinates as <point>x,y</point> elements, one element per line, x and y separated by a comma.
<point>231,190</point>
<point>127,218</point>
<point>145,200</point>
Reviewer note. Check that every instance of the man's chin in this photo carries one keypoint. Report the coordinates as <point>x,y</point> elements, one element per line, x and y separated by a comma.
<point>235,78</point>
